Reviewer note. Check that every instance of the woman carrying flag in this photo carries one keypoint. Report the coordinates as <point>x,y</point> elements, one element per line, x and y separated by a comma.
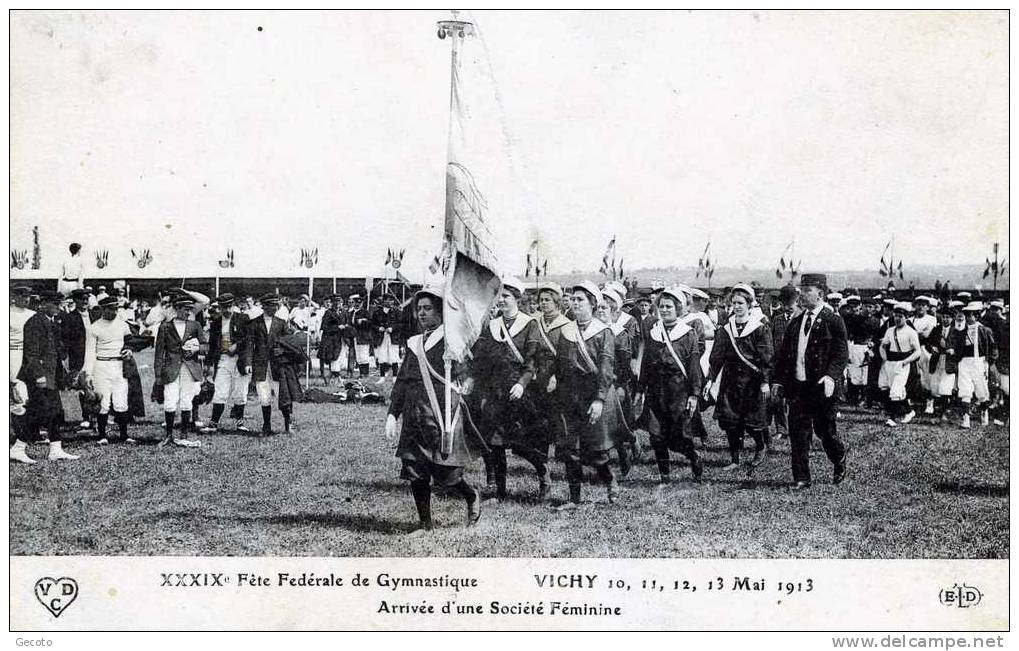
<point>740,365</point>
<point>418,397</point>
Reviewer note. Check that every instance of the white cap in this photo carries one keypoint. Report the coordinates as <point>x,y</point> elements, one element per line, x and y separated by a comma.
<point>618,286</point>
<point>745,288</point>
<point>677,293</point>
<point>835,296</point>
<point>610,292</point>
<point>553,287</point>
<point>515,283</point>
<point>974,306</point>
<point>591,289</point>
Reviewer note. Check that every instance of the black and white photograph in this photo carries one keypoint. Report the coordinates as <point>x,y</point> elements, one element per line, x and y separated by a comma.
<point>319,304</point>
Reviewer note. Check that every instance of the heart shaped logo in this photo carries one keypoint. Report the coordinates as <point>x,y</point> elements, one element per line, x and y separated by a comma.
<point>56,594</point>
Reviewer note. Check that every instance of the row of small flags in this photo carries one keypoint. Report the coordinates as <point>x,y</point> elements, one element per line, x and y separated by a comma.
<point>534,264</point>
<point>995,266</point>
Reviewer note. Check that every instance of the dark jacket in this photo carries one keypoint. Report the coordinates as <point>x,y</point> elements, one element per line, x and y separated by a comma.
<point>360,330</point>
<point>380,320</point>
<point>987,347</point>
<point>42,353</point>
<point>239,334</point>
<point>262,343</point>
<point>826,353</point>
<point>170,355</point>
<point>72,331</point>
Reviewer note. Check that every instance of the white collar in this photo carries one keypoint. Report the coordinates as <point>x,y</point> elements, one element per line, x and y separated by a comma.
<point>498,325</point>
<point>753,323</point>
<point>575,335</point>
<point>435,337</point>
<point>624,318</point>
<point>678,330</point>
<point>557,322</point>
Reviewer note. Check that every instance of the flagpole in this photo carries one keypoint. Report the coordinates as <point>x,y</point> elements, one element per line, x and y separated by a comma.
<point>307,338</point>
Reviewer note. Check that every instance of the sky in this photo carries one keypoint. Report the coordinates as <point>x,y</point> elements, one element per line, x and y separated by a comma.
<point>190,133</point>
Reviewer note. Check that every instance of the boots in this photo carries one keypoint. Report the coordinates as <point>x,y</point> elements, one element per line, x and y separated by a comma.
<point>121,418</point>
<point>217,413</point>
<point>102,420</point>
<point>422,491</point>
<point>57,452</point>
<point>574,502</point>
<point>662,457</point>
<point>169,416</point>
<point>267,421</point>
<point>544,483</point>
<point>286,411</point>
<point>625,459</point>
<point>473,499</point>
<point>611,487</point>
<point>489,473</point>
<point>19,452</point>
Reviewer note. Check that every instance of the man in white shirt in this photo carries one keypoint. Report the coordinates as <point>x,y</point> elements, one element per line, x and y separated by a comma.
<point>923,322</point>
<point>900,347</point>
<point>72,271</point>
<point>105,352</point>
<point>19,391</point>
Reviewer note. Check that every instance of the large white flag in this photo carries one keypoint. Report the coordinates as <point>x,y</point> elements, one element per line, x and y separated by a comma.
<point>471,270</point>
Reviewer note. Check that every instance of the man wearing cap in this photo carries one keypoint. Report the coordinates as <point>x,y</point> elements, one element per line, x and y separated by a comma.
<point>813,356</point>
<point>264,332</point>
<point>177,368</point>
<point>229,357</point>
<point>974,349</point>
<point>19,315</point>
<point>788,296</point>
<point>996,321</point>
<point>860,331</point>
<point>923,321</point>
<point>900,348</point>
<point>359,334</point>
<point>387,336</point>
<point>43,373</point>
<point>105,351</point>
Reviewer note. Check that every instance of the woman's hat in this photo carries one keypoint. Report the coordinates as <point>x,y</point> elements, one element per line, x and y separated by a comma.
<point>552,287</point>
<point>743,287</point>
<point>676,294</point>
<point>594,294</point>
<point>610,292</point>
<point>514,283</point>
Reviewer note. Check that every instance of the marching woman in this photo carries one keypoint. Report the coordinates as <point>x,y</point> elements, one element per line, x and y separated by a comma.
<point>942,365</point>
<point>740,364</point>
<point>545,393</point>
<point>670,378</point>
<point>610,313</point>
<point>506,354</point>
<point>419,398</point>
<point>584,369</point>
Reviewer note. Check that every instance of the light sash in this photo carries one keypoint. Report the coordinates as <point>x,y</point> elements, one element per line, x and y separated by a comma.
<point>427,375</point>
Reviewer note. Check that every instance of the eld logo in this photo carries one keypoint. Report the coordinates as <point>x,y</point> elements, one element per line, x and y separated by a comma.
<point>56,594</point>
<point>960,596</point>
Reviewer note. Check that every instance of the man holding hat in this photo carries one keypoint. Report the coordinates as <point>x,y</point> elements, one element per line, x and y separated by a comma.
<point>106,349</point>
<point>230,359</point>
<point>43,373</point>
<point>264,332</point>
<point>177,368</point>
<point>813,356</point>
<point>974,349</point>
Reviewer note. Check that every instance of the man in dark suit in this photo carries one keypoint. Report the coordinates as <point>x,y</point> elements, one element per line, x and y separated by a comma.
<point>178,369</point>
<point>780,318</point>
<point>230,359</point>
<point>812,358</point>
<point>263,332</point>
<point>73,328</point>
<point>43,372</point>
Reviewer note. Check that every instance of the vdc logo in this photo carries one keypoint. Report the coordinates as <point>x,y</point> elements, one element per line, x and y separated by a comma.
<point>960,596</point>
<point>56,594</point>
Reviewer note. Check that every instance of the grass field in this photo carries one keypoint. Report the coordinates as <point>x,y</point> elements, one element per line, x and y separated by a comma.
<point>332,489</point>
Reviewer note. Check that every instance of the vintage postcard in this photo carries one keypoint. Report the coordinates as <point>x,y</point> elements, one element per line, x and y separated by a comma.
<point>488,320</point>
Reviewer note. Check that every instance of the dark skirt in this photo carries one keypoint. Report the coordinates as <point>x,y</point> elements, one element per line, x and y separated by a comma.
<point>329,348</point>
<point>578,438</point>
<point>666,400</point>
<point>514,424</point>
<point>420,445</point>
<point>740,403</point>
